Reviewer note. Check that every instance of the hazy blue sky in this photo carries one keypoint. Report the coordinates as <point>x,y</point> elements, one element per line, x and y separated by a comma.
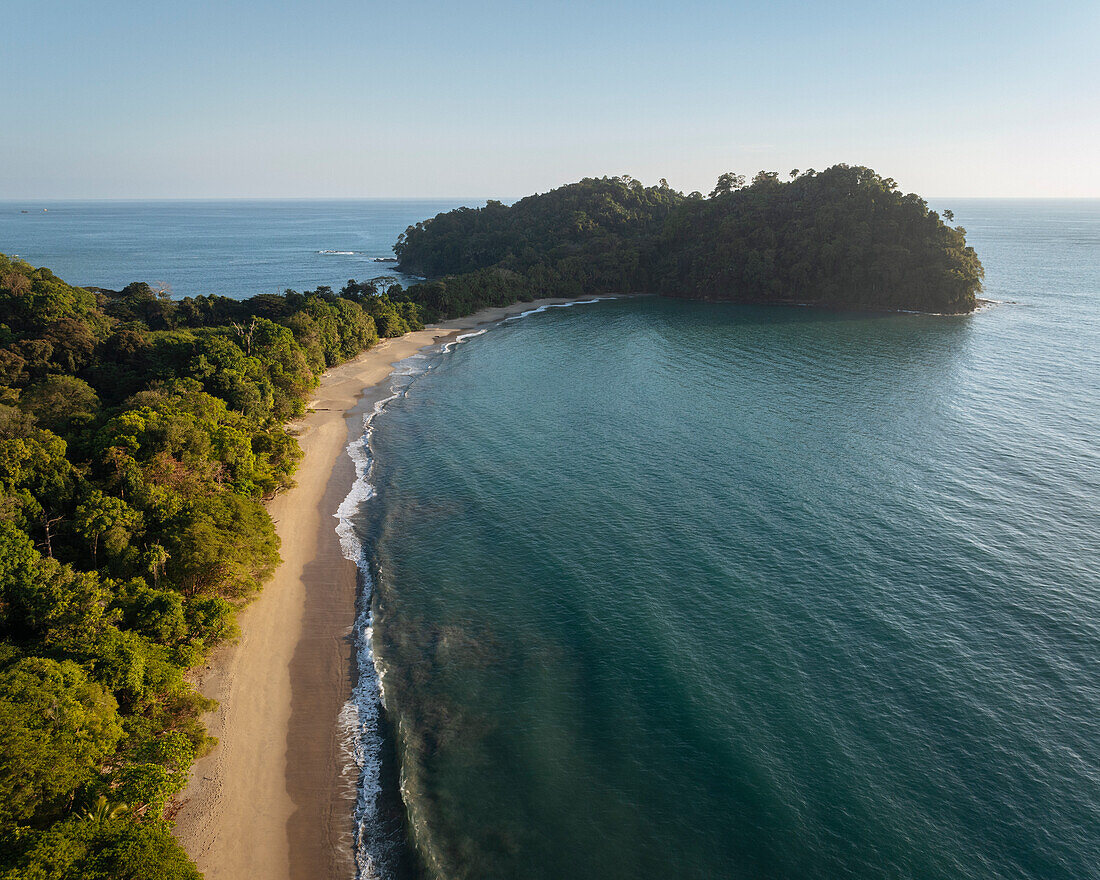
<point>340,98</point>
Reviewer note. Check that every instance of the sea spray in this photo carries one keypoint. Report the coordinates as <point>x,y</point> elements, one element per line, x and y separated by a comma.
<point>462,337</point>
<point>564,305</point>
<point>360,727</point>
<point>376,845</point>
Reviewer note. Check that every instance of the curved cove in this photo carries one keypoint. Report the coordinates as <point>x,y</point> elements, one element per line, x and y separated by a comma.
<point>693,590</point>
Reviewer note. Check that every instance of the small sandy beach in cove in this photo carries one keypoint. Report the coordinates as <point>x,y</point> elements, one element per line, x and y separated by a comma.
<point>274,799</point>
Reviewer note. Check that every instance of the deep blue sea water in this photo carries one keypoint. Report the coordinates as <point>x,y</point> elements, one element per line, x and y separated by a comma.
<point>703,591</point>
<point>230,248</point>
<point>673,589</point>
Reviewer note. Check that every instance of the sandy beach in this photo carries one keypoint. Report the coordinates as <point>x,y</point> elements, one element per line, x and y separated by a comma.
<point>274,799</point>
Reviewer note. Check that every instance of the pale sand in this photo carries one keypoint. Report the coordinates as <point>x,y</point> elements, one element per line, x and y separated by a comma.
<point>274,799</point>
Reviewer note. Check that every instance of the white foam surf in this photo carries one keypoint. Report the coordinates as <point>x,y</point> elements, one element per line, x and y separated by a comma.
<point>360,720</point>
<point>564,305</point>
<point>462,337</point>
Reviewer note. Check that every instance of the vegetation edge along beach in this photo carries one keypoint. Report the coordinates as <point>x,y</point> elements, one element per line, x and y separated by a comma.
<point>140,438</point>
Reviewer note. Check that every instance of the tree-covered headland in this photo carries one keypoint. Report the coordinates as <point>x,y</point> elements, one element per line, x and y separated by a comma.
<point>138,437</point>
<point>843,237</point>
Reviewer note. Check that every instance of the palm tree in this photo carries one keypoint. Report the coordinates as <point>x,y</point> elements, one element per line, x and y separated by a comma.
<point>103,811</point>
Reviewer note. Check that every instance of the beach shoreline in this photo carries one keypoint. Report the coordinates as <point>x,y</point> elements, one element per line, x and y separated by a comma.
<point>275,798</point>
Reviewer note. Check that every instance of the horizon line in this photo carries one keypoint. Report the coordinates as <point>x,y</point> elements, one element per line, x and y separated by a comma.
<point>388,198</point>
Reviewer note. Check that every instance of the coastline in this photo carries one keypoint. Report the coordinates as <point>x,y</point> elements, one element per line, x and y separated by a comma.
<point>275,798</point>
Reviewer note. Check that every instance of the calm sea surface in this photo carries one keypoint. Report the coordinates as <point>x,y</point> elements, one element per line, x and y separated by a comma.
<point>671,589</point>
<point>229,248</point>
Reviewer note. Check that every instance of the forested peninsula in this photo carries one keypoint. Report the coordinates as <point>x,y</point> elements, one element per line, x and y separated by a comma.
<point>140,435</point>
<point>843,237</point>
<point>138,438</point>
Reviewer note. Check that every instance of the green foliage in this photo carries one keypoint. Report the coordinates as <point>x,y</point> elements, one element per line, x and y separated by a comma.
<point>206,555</point>
<point>103,848</point>
<point>36,476</point>
<point>55,326</point>
<point>156,614</point>
<point>581,220</point>
<point>338,328</point>
<point>842,237</point>
<point>107,518</point>
<point>52,606</point>
<point>287,367</point>
<point>140,302</point>
<point>60,402</point>
<point>379,299</point>
<point>56,727</point>
<point>138,438</point>
<point>159,772</point>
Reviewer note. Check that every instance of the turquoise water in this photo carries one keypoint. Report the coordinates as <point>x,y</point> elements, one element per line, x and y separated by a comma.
<point>672,589</point>
<point>685,590</point>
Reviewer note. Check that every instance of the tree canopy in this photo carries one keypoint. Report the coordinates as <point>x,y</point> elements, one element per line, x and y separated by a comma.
<point>139,436</point>
<point>841,237</point>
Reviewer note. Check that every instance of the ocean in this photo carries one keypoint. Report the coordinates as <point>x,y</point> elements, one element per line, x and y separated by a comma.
<point>227,248</point>
<point>692,590</point>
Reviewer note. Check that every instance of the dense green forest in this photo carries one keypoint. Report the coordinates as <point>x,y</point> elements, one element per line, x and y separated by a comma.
<point>842,237</point>
<point>138,438</point>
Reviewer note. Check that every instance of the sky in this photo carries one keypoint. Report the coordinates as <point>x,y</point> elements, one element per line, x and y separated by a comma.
<point>336,98</point>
